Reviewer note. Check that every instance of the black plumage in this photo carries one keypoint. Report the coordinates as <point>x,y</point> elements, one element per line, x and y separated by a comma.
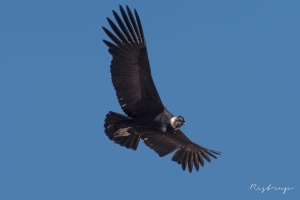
<point>147,118</point>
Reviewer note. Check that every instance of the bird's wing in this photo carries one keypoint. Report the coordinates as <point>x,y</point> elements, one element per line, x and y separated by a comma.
<point>130,68</point>
<point>188,152</point>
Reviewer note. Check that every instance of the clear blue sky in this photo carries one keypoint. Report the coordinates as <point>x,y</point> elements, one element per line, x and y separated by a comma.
<point>231,68</point>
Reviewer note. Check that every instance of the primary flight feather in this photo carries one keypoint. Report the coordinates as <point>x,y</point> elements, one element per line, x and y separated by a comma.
<point>147,118</point>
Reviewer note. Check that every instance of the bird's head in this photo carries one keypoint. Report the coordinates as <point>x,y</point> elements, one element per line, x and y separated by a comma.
<point>177,122</point>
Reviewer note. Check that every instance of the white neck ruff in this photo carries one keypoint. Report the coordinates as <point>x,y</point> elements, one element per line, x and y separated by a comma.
<point>172,122</point>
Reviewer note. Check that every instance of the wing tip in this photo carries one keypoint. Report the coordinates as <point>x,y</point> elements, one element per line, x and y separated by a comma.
<point>191,159</point>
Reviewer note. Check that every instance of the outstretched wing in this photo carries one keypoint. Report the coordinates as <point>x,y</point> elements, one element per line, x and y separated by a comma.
<point>188,152</point>
<point>130,68</point>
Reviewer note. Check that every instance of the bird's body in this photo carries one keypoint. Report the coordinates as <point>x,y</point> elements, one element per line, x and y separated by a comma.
<point>147,118</point>
<point>154,121</point>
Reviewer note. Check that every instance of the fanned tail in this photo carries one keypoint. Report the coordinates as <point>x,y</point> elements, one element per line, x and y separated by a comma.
<point>124,136</point>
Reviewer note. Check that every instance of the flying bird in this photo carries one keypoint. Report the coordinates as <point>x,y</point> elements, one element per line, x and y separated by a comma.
<point>146,116</point>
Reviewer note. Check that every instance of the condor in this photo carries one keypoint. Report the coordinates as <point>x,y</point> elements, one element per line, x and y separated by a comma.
<point>147,118</point>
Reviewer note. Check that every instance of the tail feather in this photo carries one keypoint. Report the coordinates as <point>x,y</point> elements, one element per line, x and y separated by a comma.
<point>126,137</point>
